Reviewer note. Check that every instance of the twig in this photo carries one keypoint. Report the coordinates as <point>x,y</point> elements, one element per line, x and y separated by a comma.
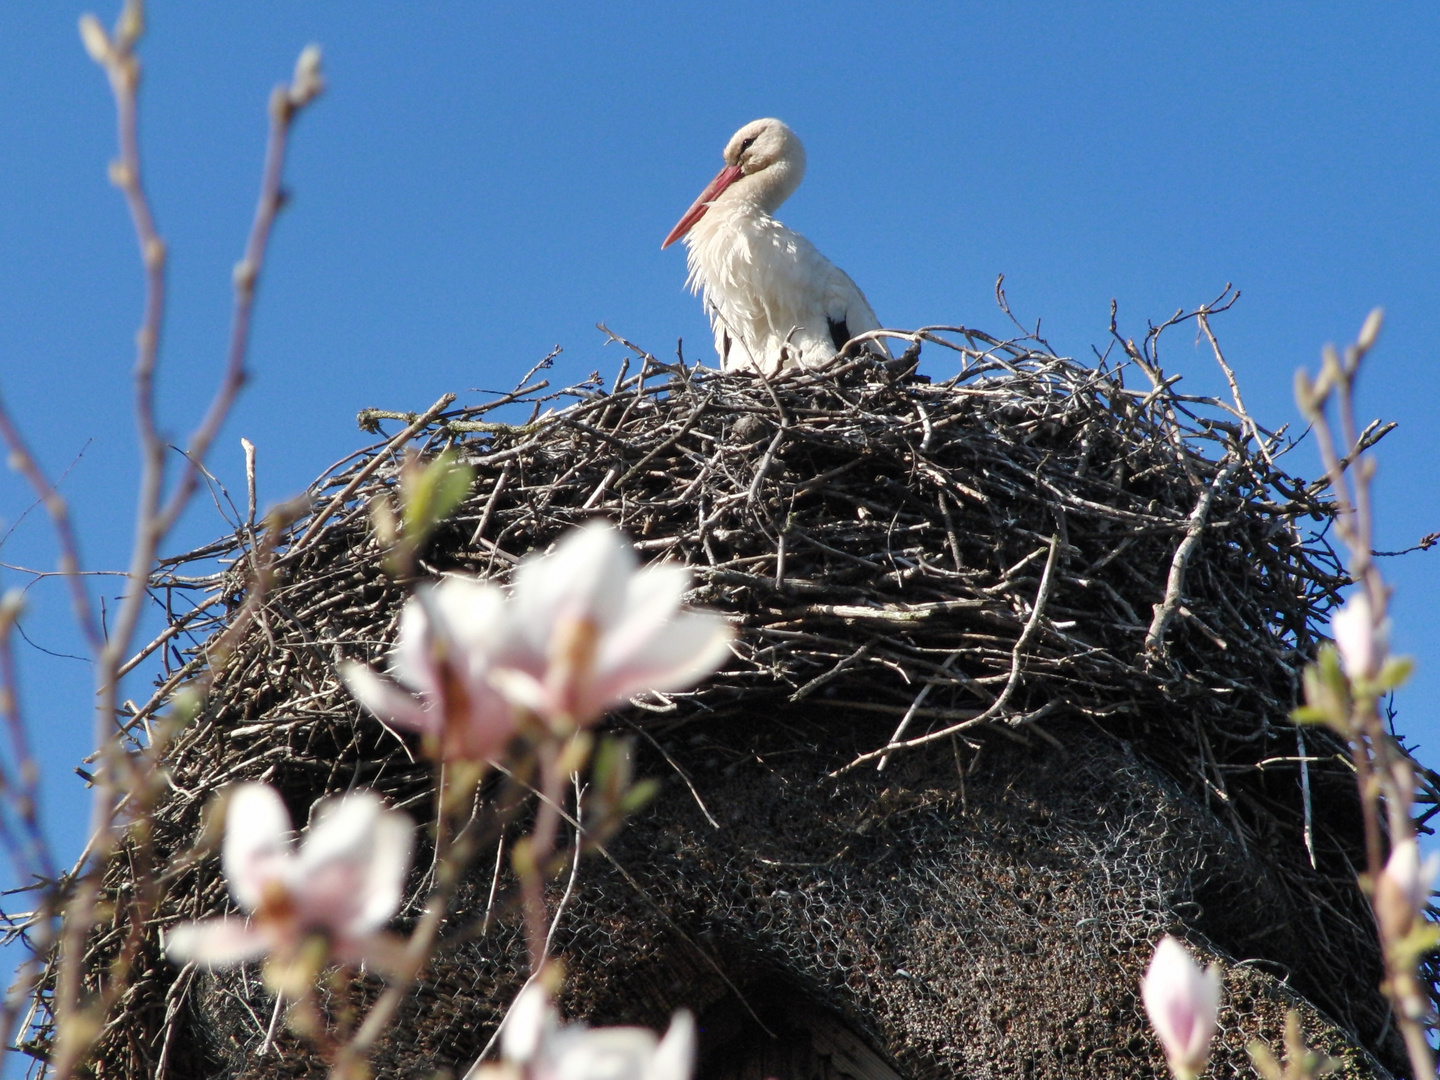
<point>1032,625</point>
<point>152,524</point>
<point>1203,318</point>
<point>1303,757</point>
<point>914,707</point>
<point>324,514</point>
<point>249,449</point>
<point>55,505</point>
<point>1175,584</point>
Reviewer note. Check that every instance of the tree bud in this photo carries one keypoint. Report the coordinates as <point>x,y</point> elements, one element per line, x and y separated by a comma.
<point>1183,1004</point>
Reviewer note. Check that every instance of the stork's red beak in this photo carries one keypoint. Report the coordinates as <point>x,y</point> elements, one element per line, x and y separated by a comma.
<point>727,176</point>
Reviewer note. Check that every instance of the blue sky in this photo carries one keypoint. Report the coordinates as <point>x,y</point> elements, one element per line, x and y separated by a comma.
<point>482,183</point>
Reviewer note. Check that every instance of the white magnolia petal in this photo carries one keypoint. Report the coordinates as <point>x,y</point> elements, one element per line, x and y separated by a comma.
<point>386,700</point>
<point>1183,1003</point>
<point>529,1022</point>
<point>1207,996</point>
<point>521,689</point>
<point>1403,867</point>
<point>606,1053</point>
<point>1361,644</point>
<point>1403,888</point>
<point>393,844</point>
<point>257,843</point>
<point>474,615</point>
<point>221,942</point>
<point>675,1056</point>
<point>342,830</point>
<point>586,576</point>
<point>329,880</point>
<point>412,660</point>
<point>652,599</point>
<point>689,647</point>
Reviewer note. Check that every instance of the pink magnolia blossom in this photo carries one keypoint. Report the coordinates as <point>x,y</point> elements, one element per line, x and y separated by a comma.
<point>1403,888</point>
<point>1183,1003</point>
<point>542,1048</point>
<point>449,633</point>
<point>585,630</point>
<point>1362,645</point>
<point>341,887</point>
<point>589,629</point>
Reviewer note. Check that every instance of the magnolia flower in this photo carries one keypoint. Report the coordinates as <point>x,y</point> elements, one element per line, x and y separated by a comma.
<point>449,632</point>
<point>1183,1003</point>
<point>1403,888</point>
<point>589,629</point>
<point>534,1040</point>
<point>585,630</point>
<point>1362,645</point>
<point>340,888</point>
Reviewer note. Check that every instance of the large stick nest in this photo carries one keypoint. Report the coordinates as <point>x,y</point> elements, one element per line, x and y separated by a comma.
<point>1095,592</point>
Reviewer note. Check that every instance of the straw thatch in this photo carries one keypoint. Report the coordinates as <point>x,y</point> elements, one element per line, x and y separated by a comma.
<point>1095,591</point>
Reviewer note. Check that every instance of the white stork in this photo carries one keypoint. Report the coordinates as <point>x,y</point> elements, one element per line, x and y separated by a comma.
<point>774,301</point>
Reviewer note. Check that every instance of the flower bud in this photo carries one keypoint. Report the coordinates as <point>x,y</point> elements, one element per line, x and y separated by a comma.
<point>130,25</point>
<point>307,82</point>
<point>95,40</point>
<point>1183,1003</point>
<point>1362,645</point>
<point>1371,330</point>
<point>1403,889</point>
<point>1305,392</point>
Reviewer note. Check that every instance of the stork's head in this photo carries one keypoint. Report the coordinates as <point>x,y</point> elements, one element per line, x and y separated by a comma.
<point>764,163</point>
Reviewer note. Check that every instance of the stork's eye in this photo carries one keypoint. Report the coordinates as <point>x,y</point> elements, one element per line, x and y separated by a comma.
<point>746,144</point>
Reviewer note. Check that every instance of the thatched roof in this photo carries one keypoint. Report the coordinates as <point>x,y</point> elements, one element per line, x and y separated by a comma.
<point>1092,594</point>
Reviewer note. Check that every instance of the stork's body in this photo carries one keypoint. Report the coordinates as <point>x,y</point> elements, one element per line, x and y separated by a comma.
<point>773,300</point>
